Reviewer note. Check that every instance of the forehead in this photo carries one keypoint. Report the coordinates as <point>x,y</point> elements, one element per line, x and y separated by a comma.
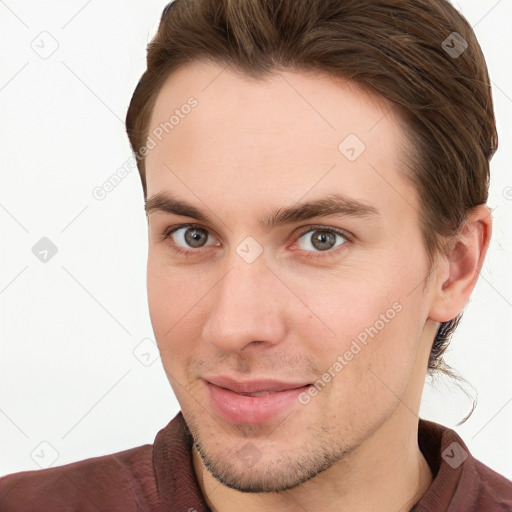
<point>325,105</point>
<point>293,131</point>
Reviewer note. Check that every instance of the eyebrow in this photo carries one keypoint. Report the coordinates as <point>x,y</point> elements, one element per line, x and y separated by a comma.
<point>333,204</point>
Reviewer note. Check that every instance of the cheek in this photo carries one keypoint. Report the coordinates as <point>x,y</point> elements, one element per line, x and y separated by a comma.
<point>173,298</point>
<point>369,320</point>
<point>160,297</point>
<point>377,359</point>
<point>342,306</point>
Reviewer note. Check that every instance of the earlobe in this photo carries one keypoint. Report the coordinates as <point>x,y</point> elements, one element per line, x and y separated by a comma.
<point>459,271</point>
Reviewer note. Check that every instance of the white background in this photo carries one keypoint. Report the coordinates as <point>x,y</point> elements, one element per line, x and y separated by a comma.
<point>68,327</point>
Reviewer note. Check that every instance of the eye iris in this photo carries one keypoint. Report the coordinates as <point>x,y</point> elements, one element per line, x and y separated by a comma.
<point>323,240</point>
<point>193,237</point>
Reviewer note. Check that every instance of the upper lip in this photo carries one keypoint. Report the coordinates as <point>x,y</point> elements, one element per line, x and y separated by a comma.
<point>253,386</point>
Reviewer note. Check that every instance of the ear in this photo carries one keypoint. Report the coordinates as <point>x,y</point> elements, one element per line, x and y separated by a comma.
<point>457,273</point>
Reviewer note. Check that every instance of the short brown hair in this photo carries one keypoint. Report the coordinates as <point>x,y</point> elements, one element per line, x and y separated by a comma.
<point>399,49</point>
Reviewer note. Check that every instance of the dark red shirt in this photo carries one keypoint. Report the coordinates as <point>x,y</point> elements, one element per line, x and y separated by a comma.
<point>161,477</point>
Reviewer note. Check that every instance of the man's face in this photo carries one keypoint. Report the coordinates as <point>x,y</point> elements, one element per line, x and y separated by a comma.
<point>337,299</point>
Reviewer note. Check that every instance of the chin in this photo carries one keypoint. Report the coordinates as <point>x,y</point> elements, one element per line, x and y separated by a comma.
<point>272,472</point>
<point>272,476</point>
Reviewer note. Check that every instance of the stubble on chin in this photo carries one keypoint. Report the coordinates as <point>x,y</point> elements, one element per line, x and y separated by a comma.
<point>267,469</point>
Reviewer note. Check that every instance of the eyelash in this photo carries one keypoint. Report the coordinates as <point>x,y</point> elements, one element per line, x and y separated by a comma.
<point>310,254</point>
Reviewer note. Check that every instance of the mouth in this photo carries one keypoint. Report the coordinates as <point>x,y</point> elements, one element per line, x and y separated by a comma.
<point>252,402</point>
<point>258,393</point>
<point>254,386</point>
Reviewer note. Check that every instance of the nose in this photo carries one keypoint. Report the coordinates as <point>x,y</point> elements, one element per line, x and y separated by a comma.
<point>248,308</point>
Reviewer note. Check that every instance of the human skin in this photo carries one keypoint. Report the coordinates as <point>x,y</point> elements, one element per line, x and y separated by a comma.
<point>251,147</point>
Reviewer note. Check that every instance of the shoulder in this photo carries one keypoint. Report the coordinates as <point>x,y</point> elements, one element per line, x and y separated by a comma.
<point>120,481</point>
<point>461,482</point>
<point>493,488</point>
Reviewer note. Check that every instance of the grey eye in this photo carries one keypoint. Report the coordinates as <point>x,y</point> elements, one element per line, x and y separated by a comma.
<point>190,237</point>
<point>321,240</point>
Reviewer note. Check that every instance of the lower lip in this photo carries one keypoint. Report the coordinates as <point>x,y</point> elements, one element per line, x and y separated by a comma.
<point>251,410</point>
